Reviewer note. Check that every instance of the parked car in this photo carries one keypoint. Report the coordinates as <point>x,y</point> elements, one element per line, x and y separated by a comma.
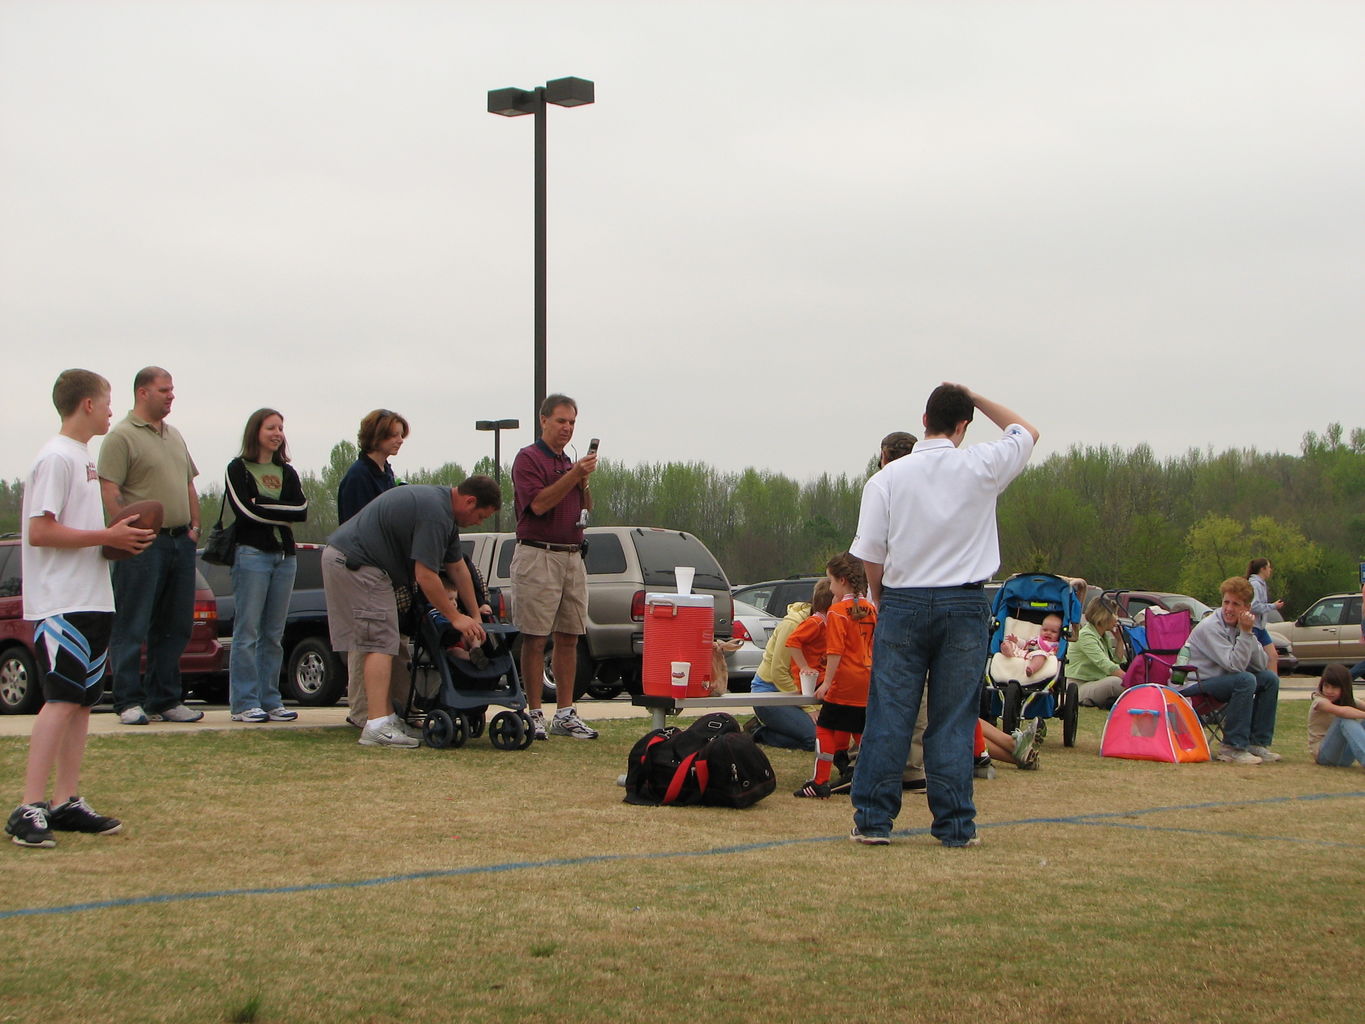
<point>753,626</point>
<point>624,563</point>
<point>1133,603</point>
<point>310,672</point>
<point>21,681</point>
<point>1328,633</point>
<point>773,596</point>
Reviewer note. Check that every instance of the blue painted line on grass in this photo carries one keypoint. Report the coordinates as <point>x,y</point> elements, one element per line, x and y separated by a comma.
<point>1103,819</point>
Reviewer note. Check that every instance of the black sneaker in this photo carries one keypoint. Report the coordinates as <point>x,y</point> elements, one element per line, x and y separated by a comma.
<point>920,786</point>
<point>816,790</point>
<point>76,816</point>
<point>29,826</point>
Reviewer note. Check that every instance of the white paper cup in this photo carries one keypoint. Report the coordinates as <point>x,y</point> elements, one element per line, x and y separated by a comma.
<point>681,671</point>
<point>684,575</point>
<point>809,679</point>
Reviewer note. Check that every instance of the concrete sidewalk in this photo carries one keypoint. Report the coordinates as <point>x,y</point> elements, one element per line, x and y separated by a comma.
<point>105,723</point>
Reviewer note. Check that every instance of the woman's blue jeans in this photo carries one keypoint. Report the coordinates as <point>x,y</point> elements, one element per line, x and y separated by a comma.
<point>1344,743</point>
<point>262,582</point>
<point>930,644</point>
<point>788,727</point>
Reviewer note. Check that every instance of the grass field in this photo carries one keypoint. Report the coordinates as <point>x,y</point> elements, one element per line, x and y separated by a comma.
<point>293,876</point>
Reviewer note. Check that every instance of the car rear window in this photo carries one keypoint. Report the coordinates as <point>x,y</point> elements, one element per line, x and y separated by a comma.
<point>661,550</point>
<point>11,564</point>
<point>308,574</point>
<point>605,555</point>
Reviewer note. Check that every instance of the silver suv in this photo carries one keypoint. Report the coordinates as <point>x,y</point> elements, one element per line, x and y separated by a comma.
<point>624,563</point>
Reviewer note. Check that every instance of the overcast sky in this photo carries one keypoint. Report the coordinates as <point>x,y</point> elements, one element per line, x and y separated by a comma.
<point>777,228</point>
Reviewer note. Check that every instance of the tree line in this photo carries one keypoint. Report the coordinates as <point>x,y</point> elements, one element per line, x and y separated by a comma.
<point>1114,516</point>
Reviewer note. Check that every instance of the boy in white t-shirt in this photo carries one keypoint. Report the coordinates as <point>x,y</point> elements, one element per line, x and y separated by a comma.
<point>68,596</point>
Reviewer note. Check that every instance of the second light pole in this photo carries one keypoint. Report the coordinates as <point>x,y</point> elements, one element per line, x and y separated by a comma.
<point>563,92</point>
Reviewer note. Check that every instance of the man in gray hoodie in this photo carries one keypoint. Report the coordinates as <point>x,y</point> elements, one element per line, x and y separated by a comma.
<point>1232,669</point>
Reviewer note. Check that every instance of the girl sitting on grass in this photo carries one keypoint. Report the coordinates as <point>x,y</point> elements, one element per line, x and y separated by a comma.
<point>1336,721</point>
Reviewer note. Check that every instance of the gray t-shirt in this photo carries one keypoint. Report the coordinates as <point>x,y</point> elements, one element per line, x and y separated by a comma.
<point>414,523</point>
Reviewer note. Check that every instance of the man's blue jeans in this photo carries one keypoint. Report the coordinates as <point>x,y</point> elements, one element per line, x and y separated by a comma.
<point>1252,700</point>
<point>154,604</point>
<point>785,726</point>
<point>930,640</point>
<point>262,583</point>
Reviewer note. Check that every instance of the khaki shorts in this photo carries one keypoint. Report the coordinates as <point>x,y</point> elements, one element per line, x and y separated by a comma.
<point>362,614</point>
<point>549,591</point>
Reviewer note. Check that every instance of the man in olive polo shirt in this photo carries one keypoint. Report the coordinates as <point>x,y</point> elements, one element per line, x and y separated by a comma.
<point>145,458</point>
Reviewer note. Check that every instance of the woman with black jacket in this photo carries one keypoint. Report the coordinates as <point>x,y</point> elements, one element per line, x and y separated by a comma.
<point>266,497</point>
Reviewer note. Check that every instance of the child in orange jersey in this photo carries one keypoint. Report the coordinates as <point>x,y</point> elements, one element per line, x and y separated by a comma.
<point>848,670</point>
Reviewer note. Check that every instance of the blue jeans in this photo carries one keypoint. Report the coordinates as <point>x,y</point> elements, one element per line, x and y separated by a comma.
<point>1358,670</point>
<point>1252,699</point>
<point>262,582</point>
<point>934,641</point>
<point>1344,743</point>
<point>154,604</point>
<point>790,728</point>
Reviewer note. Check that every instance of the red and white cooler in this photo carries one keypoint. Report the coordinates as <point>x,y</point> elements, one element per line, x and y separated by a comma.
<point>678,627</point>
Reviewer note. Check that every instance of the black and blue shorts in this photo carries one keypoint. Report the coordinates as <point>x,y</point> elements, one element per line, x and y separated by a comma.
<point>74,650</point>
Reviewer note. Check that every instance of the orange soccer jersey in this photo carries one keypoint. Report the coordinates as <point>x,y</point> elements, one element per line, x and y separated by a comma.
<point>848,633</point>
<point>809,639</point>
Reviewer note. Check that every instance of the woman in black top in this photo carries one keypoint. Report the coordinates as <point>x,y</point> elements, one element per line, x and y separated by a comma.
<point>381,435</point>
<point>266,497</point>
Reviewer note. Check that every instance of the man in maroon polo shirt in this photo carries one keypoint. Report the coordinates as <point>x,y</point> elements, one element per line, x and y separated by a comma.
<point>549,583</point>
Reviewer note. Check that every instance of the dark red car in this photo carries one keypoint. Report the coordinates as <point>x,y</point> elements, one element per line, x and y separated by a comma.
<point>21,684</point>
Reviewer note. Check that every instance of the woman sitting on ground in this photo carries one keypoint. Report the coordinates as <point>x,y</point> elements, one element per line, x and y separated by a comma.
<point>1092,661</point>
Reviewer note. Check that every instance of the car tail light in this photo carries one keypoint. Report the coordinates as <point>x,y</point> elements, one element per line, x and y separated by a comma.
<point>206,610</point>
<point>741,632</point>
<point>637,606</point>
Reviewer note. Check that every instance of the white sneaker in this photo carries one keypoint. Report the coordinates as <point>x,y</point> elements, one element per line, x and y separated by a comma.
<point>1235,755</point>
<point>133,716</point>
<point>176,713</point>
<point>387,733</point>
<point>567,723</point>
<point>537,724</point>
<point>1266,755</point>
<point>250,715</point>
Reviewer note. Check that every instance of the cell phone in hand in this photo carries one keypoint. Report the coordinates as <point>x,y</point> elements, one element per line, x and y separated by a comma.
<point>592,446</point>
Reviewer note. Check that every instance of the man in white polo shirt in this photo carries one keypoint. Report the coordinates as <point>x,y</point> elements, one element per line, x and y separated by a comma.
<point>927,536</point>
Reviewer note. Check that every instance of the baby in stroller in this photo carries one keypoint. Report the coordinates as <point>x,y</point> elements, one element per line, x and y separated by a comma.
<point>1034,651</point>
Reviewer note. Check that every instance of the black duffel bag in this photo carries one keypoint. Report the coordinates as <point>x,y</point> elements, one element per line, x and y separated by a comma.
<point>711,762</point>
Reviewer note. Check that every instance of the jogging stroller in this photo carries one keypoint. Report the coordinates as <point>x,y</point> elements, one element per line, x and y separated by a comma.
<point>452,688</point>
<point>1021,605</point>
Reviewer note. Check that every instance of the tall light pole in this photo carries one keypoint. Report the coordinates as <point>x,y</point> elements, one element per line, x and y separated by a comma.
<point>497,426</point>
<point>562,92</point>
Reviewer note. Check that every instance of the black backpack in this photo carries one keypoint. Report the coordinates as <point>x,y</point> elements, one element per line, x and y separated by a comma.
<point>710,762</point>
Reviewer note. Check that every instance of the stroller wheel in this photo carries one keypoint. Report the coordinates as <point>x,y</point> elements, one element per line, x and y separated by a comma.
<point>443,729</point>
<point>507,731</point>
<point>1014,705</point>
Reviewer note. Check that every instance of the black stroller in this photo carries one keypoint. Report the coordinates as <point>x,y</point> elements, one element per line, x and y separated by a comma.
<point>451,694</point>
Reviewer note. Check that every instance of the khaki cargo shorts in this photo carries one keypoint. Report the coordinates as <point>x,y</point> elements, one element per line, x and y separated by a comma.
<point>362,614</point>
<point>549,591</point>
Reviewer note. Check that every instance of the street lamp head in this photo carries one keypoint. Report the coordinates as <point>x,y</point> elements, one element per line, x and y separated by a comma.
<point>512,102</point>
<point>569,92</point>
<point>496,424</point>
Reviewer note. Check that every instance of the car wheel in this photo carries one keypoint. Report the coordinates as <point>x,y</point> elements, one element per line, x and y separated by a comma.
<point>315,677</point>
<point>21,687</point>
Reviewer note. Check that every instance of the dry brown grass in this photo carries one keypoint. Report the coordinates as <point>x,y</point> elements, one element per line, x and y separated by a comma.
<point>550,900</point>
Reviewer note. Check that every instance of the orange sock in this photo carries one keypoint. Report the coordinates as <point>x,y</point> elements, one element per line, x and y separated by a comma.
<point>980,739</point>
<point>827,743</point>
